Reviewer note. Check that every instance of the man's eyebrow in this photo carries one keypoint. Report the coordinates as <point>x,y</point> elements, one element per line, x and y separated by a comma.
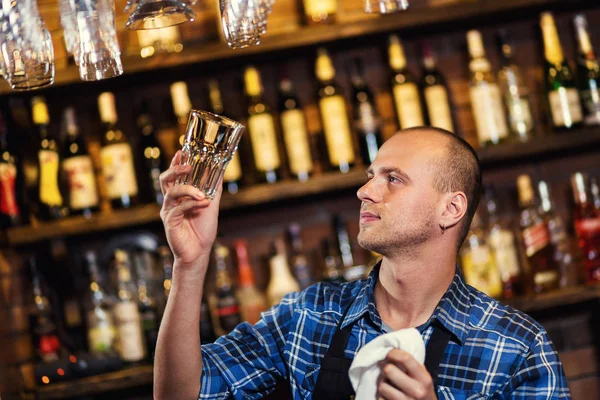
<point>390,170</point>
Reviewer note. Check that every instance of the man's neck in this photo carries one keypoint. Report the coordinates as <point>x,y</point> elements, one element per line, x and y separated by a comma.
<point>408,290</point>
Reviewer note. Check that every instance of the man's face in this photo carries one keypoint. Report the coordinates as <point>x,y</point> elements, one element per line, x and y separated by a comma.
<point>399,203</point>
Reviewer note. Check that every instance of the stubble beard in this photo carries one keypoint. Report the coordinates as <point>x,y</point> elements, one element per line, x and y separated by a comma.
<point>400,240</point>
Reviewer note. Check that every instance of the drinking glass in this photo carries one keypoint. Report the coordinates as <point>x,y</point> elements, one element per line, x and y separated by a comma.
<point>385,6</point>
<point>243,22</point>
<point>26,46</point>
<point>210,143</point>
<point>152,14</point>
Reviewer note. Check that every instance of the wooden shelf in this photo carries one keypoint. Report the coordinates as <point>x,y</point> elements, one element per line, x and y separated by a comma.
<point>119,380</point>
<point>553,145</point>
<point>427,18</point>
<point>558,298</point>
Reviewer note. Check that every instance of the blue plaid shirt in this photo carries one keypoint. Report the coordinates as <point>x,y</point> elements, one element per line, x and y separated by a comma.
<point>495,351</point>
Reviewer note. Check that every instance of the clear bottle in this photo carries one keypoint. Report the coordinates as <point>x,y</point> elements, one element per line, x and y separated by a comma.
<point>181,107</point>
<point>561,90</point>
<point>261,129</point>
<point>478,261</point>
<point>282,281</point>
<point>544,270</point>
<point>300,263</point>
<point>351,270</point>
<point>116,157</point>
<point>252,301</point>
<point>405,91</point>
<point>320,11</point>
<point>78,169</point>
<point>50,202</point>
<point>295,132</point>
<point>226,307</point>
<point>435,92</point>
<point>127,315</point>
<point>102,332</point>
<point>366,118</point>
<point>486,97</point>
<point>334,115</point>
<point>152,154</point>
<point>515,92</point>
<point>559,237</point>
<point>147,303</point>
<point>502,240</point>
<point>332,263</point>
<point>587,225</point>
<point>588,73</point>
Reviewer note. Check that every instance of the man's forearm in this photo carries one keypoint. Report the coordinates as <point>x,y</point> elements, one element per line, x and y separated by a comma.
<point>178,360</point>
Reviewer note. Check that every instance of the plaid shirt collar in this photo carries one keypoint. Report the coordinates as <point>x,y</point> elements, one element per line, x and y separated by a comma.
<point>452,311</point>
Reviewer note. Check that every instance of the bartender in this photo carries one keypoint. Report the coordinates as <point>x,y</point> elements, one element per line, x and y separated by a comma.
<point>416,208</point>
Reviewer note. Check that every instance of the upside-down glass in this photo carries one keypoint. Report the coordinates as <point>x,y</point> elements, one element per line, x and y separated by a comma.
<point>385,6</point>
<point>26,46</point>
<point>243,21</point>
<point>210,143</point>
<point>152,14</point>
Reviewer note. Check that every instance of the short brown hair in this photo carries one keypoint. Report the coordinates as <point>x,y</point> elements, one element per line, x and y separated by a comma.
<point>459,170</point>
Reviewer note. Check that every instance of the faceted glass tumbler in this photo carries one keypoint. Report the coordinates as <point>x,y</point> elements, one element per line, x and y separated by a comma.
<point>385,6</point>
<point>210,143</point>
<point>153,14</point>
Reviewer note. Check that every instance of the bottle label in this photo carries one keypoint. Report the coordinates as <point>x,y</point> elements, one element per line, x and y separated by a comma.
<point>131,342</point>
<point>591,102</point>
<point>505,252</point>
<point>8,200</point>
<point>320,7</point>
<point>438,106</point>
<point>367,122</point>
<point>264,142</point>
<point>49,191</point>
<point>337,130</point>
<point>82,182</point>
<point>408,105</point>
<point>481,272</point>
<point>233,172</point>
<point>118,170</point>
<point>535,238</point>
<point>101,338</point>
<point>519,113</point>
<point>545,277</point>
<point>588,229</point>
<point>489,113</point>
<point>295,137</point>
<point>565,107</point>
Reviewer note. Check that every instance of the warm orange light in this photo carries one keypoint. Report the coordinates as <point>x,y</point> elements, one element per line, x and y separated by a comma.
<point>45,379</point>
<point>61,372</point>
<point>73,359</point>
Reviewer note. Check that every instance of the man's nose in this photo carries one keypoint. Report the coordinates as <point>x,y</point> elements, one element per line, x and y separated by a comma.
<point>368,192</point>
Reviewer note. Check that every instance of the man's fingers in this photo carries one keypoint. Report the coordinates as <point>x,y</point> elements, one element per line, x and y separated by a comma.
<point>409,365</point>
<point>179,192</point>
<point>191,205</point>
<point>399,380</point>
<point>176,159</point>
<point>167,179</point>
<point>388,392</point>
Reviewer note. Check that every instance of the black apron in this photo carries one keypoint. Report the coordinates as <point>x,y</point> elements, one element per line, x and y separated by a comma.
<point>333,382</point>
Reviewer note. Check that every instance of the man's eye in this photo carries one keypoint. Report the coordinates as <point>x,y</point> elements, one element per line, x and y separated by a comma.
<point>393,179</point>
<point>369,177</point>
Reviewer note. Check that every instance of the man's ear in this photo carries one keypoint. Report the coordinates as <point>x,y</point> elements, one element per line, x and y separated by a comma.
<point>456,205</point>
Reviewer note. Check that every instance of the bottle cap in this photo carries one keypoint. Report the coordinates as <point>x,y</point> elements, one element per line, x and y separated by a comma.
<point>106,106</point>
<point>252,81</point>
<point>396,54</point>
<point>525,189</point>
<point>578,184</point>
<point>544,196</point>
<point>475,42</point>
<point>324,66</point>
<point>181,99</point>
<point>581,27</point>
<point>39,111</point>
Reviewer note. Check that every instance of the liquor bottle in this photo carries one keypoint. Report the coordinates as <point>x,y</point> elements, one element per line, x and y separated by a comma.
<point>252,302</point>
<point>46,341</point>
<point>502,242</point>
<point>405,90</point>
<point>587,226</point>
<point>152,154</point>
<point>116,157</point>
<point>435,91</point>
<point>478,262</point>
<point>486,98</point>
<point>514,92</point>
<point>334,115</point>
<point>233,173</point>
<point>320,11</point>
<point>10,214</point>
<point>127,315</point>
<point>558,237</point>
<point>536,238</point>
<point>351,271</point>
<point>588,73</point>
<point>147,303</point>
<point>78,169</point>
<point>181,106</point>
<point>207,332</point>
<point>299,262</point>
<point>366,119</point>
<point>102,331</point>
<point>261,128</point>
<point>50,203</point>
<point>561,91</point>
<point>595,189</point>
<point>332,264</point>
<point>282,281</point>
<point>226,307</point>
<point>166,260</point>
<point>295,133</point>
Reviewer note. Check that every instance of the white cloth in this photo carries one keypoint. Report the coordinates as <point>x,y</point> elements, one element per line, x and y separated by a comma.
<point>365,370</point>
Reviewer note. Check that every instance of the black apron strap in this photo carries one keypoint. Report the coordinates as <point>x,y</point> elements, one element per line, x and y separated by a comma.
<point>435,351</point>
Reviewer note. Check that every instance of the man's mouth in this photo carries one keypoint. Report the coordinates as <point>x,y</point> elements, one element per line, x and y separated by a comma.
<point>366,216</point>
